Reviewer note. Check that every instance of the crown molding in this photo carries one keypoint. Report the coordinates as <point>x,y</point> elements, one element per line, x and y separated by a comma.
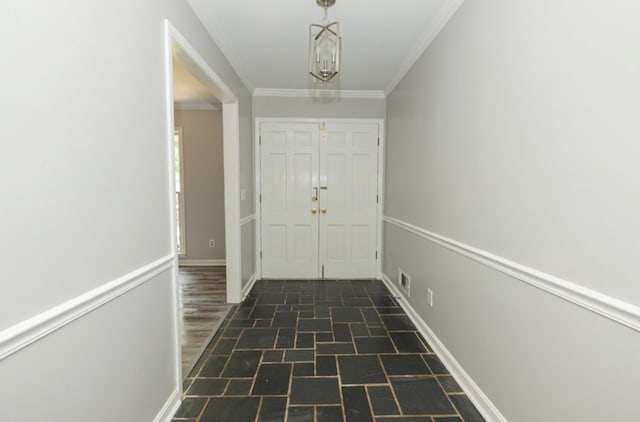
<point>443,16</point>
<point>319,93</point>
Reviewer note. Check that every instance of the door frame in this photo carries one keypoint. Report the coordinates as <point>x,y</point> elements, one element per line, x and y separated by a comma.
<point>258,182</point>
<point>178,48</point>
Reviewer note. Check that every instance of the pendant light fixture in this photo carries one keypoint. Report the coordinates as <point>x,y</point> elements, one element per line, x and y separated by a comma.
<point>324,46</point>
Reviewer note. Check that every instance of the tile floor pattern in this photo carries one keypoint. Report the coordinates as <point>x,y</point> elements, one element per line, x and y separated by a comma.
<point>321,351</point>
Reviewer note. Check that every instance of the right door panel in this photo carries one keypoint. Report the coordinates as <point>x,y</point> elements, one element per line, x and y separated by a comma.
<point>348,200</point>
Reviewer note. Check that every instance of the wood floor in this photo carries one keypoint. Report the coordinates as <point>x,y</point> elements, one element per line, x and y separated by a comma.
<point>203,306</point>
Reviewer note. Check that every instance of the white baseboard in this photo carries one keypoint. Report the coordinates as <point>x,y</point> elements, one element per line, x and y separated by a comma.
<point>475,394</point>
<point>170,407</point>
<point>202,262</point>
<point>247,288</point>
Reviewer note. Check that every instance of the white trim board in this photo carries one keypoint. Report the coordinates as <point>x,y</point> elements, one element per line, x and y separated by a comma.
<point>202,263</point>
<point>615,309</point>
<point>249,286</point>
<point>319,93</point>
<point>247,219</point>
<point>475,394</point>
<point>33,329</point>
<point>233,235</point>
<point>259,120</point>
<point>179,49</point>
<point>170,407</point>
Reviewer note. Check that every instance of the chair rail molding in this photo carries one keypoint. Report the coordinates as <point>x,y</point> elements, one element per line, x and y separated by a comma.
<point>31,330</point>
<point>247,219</point>
<point>617,310</point>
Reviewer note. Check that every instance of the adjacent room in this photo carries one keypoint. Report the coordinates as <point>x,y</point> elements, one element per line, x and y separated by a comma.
<point>199,181</point>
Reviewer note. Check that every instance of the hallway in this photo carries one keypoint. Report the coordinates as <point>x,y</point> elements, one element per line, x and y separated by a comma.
<point>323,351</point>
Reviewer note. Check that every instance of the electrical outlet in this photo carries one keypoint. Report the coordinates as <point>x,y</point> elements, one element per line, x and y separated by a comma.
<point>212,243</point>
<point>430,297</point>
<point>243,194</point>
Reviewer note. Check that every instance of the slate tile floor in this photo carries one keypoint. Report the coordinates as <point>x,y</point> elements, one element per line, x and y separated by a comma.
<point>321,351</point>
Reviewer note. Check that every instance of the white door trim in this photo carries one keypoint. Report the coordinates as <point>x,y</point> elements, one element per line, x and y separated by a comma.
<point>258,186</point>
<point>381,190</point>
<point>179,49</point>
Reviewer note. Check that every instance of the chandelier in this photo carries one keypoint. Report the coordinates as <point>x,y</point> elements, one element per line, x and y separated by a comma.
<point>324,46</point>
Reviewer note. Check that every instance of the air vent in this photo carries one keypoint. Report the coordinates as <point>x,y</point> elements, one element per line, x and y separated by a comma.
<point>404,280</point>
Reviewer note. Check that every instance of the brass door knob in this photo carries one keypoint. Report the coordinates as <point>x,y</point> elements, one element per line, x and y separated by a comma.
<point>314,210</point>
<point>323,210</point>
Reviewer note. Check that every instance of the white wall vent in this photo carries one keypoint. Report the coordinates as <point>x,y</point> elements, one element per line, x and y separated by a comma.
<point>404,280</point>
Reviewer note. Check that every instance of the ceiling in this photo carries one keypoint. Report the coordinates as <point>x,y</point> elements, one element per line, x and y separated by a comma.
<point>188,92</point>
<point>267,41</point>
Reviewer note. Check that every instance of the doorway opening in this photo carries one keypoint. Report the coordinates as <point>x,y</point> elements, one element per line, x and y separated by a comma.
<point>180,55</point>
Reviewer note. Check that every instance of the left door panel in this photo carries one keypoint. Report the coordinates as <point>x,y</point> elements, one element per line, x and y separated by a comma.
<point>289,160</point>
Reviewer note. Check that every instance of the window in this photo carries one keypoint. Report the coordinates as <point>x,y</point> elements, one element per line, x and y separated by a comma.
<point>179,176</point>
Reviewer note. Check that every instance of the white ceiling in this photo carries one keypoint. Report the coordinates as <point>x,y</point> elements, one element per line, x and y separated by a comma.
<point>267,41</point>
<point>188,92</point>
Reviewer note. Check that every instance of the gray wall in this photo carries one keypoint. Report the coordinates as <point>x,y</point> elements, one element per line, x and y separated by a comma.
<point>516,133</point>
<point>84,105</point>
<point>203,182</point>
<point>319,107</point>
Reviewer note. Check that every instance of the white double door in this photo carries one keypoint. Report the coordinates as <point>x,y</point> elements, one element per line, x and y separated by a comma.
<point>319,200</point>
